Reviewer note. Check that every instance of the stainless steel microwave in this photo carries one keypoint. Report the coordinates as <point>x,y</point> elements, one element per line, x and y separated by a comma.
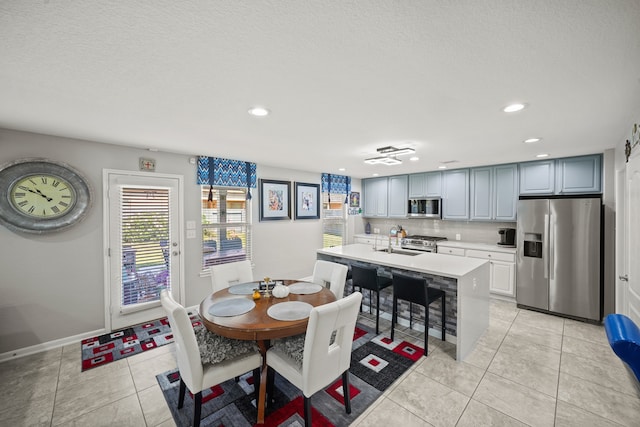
<point>425,208</point>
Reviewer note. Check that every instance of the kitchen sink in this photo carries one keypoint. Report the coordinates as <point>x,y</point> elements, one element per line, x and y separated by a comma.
<point>401,252</point>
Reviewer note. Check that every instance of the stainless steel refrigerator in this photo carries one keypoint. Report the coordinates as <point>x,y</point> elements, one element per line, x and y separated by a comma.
<point>559,256</point>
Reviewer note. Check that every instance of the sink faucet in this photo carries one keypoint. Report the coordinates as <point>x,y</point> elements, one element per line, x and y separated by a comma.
<point>391,232</point>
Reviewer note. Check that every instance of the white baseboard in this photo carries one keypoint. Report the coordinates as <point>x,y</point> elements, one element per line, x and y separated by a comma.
<point>50,345</point>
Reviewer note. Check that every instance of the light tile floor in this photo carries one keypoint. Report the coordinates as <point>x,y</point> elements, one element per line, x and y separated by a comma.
<point>528,369</point>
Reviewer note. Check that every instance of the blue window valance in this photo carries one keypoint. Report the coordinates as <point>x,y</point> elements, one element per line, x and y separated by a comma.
<point>336,184</point>
<point>226,173</point>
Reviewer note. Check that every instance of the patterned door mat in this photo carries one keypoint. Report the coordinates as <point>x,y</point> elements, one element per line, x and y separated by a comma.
<point>376,362</point>
<point>103,349</point>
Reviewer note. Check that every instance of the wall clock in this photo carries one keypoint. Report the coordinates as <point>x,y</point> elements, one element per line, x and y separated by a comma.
<point>41,196</point>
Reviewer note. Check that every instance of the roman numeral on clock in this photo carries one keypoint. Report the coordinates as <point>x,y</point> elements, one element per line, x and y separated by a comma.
<point>55,209</point>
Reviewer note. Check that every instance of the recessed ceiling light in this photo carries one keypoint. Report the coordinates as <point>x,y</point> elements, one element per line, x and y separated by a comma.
<point>341,169</point>
<point>376,174</point>
<point>414,159</point>
<point>542,155</point>
<point>442,167</point>
<point>258,111</point>
<point>531,140</point>
<point>513,108</point>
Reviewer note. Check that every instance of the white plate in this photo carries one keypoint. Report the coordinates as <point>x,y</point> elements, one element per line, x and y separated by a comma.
<point>304,288</point>
<point>290,310</point>
<point>232,307</point>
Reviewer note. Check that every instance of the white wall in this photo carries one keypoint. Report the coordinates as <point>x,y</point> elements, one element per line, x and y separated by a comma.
<point>52,285</point>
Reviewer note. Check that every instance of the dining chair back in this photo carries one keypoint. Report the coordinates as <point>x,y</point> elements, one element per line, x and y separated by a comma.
<point>323,360</point>
<point>415,290</point>
<point>193,374</point>
<point>223,275</point>
<point>367,278</point>
<point>332,273</point>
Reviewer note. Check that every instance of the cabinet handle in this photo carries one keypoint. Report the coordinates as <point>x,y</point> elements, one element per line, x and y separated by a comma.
<point>624,278</point>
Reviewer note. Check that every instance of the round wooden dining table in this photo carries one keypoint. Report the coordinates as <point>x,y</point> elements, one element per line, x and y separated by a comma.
<point>257,325</point>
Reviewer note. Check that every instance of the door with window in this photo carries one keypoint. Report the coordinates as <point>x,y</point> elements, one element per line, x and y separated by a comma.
<point>143,246</point>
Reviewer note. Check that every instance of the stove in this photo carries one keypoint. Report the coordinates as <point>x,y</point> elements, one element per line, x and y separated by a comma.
<point>421,243</point>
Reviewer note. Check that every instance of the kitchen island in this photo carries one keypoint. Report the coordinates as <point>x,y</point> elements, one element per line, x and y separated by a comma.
<point>464,280</point>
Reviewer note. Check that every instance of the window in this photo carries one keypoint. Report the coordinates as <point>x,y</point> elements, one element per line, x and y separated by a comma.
<point>333,220</point>
<point>226,225</point>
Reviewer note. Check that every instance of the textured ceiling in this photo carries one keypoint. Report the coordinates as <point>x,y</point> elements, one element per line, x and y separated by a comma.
<point>341,78</point>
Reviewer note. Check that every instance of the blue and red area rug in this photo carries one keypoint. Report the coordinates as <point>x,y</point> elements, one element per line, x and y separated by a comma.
<point>376,362</point>
<point>103,349</point>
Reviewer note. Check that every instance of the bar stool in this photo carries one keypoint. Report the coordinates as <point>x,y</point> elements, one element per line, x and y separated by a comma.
<point>415,290</point>
<point>367,278</point>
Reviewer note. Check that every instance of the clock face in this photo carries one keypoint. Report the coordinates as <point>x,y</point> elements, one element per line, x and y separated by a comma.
<point>42,196</point>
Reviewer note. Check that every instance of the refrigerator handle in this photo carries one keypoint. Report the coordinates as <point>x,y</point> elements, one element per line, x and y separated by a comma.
<point>552,245</point>
<point>545,247</point>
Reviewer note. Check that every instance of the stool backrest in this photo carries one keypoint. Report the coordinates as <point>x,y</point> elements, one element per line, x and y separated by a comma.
<point>364,277</point>
<point>412,289</point>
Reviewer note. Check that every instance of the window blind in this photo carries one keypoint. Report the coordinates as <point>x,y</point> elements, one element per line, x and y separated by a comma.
<point>144,231</point>
<point>226,225</point>
<point>333,220</point>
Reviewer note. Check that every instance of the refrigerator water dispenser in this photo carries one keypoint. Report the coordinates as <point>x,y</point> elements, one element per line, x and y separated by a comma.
<point>532,245</point>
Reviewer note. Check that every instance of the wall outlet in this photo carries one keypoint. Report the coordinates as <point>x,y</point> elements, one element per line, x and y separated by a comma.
<point>457,236</point>
<point>376,231</point>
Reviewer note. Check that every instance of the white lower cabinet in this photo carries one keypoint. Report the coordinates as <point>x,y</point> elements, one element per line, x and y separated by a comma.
<point>502,276</point>
<point>502,268</point>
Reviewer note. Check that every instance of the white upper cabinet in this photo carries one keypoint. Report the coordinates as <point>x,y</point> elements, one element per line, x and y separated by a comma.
<point>424,185</point>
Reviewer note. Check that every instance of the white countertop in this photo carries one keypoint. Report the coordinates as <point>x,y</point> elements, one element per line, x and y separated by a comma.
<point>478,246</point>
<point>432,263</point>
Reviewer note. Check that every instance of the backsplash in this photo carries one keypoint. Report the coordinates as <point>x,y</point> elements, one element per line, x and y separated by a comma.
<point>470,231</point>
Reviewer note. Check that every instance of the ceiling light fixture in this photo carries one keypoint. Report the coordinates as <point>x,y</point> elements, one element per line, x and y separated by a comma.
<point>513,108</point>
<point>341,169</point>
<point>388,156</point>
<point>531,140</point>
<point>414,158</point>
<point>258,111</point>
<point>542,155</point>
<point>393,151</point>
<point>382,160</point>
<point>442,167</point>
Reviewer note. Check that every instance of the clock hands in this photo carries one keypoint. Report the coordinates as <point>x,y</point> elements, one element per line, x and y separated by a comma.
<point>40,193</point>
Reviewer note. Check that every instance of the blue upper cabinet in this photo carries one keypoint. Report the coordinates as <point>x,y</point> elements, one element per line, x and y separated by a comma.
<point>397,196</point>
<point>571,175</point>
<point>576,175</point>
<point>537,177</point>
<point>374,193</point>
<point>455,194</point>
<point>505,192</point>
<point>494,193</point>
<point>422,185</point>
<point>481,193</point>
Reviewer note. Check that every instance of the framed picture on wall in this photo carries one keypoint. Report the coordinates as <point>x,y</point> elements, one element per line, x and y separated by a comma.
<point>307,201</point>
<point>275,199</point>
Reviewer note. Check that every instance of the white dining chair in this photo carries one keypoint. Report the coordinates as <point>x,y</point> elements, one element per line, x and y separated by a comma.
<point>316,362</point>
<point>195,375</point>
<point>223,275</point>
<point>332,273</point>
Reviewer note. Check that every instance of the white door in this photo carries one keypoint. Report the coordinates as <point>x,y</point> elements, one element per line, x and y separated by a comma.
<point>633,236</point>
<point>143,245</point>
<point>621,288</point>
